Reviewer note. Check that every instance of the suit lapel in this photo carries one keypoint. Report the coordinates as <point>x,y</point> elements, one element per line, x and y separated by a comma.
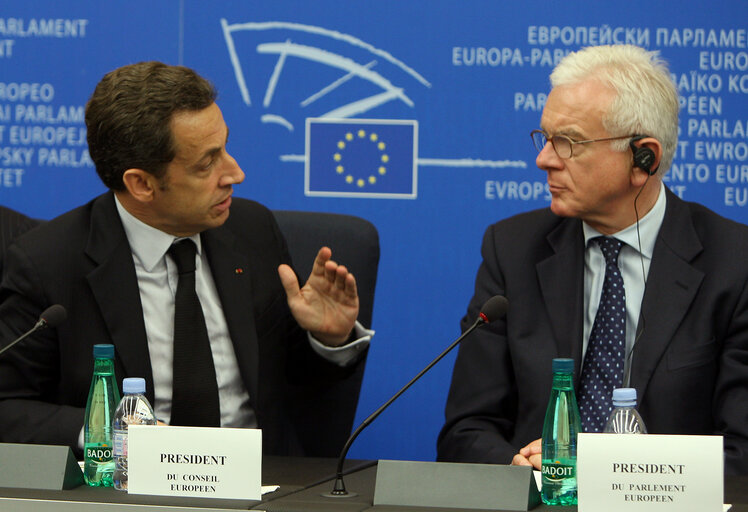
<point>115,288</point>
<point>561,277</point>
<point>231,267</point>
<point>672,284</point>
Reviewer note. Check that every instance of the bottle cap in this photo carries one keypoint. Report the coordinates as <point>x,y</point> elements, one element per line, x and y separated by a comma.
<point>624,397</point>
<point>103,351</point>
<point>133,385</point>
<point>563,365</point>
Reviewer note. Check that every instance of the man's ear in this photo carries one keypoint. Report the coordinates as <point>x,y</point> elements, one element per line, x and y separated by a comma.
<point>140,184</point>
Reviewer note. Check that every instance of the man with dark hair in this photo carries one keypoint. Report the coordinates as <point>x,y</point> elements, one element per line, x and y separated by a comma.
<point>129,117</point>
<point>639,287</point>
<point>118,263</point>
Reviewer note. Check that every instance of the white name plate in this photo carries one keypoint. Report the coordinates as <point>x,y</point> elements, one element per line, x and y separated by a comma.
<point>650,472</point>
<point>195,461</point>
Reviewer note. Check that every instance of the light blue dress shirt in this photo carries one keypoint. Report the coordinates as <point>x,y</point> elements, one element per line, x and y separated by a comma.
<point>634,266</point>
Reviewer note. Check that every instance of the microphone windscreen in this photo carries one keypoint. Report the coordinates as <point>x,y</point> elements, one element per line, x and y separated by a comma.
<point>54,315</point>
<point>494,308</point>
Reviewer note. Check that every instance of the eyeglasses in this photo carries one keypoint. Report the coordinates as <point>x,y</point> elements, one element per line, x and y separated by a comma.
<point>563,144</point>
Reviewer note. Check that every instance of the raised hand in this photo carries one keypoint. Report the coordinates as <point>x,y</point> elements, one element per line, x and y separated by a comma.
<point>327,305</point>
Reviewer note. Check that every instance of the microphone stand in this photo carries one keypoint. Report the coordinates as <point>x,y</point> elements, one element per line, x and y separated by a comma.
<point>42,323</point>
<point>339,490</point>
<point>51,317</point>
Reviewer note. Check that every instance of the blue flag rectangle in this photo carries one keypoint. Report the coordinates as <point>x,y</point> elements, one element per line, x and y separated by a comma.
<point>375,158</point>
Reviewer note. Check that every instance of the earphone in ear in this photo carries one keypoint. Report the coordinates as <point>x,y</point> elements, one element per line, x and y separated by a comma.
<point>643,156</point>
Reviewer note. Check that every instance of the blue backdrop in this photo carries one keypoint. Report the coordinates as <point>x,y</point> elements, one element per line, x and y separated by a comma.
<point>412,114</point>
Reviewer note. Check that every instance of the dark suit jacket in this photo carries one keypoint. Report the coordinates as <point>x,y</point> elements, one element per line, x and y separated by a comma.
<point>690,365</point>
<point>83,261</point>
<point>12,224</point>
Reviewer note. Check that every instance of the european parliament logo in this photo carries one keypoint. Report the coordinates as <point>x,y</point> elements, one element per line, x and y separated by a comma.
<point>375,158</point>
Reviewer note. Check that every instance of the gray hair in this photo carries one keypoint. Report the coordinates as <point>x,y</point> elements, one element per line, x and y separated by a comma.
<point>646,100</point>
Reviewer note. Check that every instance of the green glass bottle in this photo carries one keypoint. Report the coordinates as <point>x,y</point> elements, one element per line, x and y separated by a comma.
<point>103,398</point>
<point>560,429</point>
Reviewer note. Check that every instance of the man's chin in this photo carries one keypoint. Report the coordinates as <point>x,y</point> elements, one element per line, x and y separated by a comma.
<point>560,209</point>
<point>219,219</point>
<point>215,220</point>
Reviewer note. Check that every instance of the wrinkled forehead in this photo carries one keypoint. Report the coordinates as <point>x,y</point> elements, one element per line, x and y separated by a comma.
<point>577,109</point>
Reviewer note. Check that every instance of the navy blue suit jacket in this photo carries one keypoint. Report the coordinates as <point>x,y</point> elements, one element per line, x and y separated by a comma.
<point>690,365</point>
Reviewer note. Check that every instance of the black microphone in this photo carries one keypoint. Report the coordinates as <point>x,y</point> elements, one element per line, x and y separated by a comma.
<point>53,316</point>
<point>493,309</point>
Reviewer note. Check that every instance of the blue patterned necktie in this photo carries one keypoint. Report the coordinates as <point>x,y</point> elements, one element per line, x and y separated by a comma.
<point>606,350</point>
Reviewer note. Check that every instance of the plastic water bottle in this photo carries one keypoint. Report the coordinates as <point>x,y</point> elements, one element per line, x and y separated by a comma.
<point>134,409</point>
<point>97,428</point>
<point>625,419</point>
<point>559,444</point>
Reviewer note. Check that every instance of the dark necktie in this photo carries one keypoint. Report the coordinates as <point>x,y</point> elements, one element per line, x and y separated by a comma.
<point>194,390</point>
<point>606,350</point>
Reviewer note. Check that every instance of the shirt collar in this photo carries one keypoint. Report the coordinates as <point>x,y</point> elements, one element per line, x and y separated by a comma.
<point>148,244</point>
<point>649,227</point>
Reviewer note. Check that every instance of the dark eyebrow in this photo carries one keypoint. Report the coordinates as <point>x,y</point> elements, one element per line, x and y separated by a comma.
<point>210,153</point>
<point>213,151</point>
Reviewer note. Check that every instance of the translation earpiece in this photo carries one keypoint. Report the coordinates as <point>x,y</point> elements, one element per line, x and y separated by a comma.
<point>643,156</point>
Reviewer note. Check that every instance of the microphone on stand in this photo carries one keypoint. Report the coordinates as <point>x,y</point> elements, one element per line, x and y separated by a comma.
<point>493,309</point>
<point>53,316</point>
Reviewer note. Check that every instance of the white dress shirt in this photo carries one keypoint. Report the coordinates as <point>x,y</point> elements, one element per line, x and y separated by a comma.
<point>157,281</point>
<point>630,262</point>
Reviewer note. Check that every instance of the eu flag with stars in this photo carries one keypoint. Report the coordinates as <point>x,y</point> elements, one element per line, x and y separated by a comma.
<point>361,158</point>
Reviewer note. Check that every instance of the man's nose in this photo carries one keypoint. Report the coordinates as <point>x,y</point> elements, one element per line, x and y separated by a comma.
<point>234,174</point>
<point>548,159</point>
